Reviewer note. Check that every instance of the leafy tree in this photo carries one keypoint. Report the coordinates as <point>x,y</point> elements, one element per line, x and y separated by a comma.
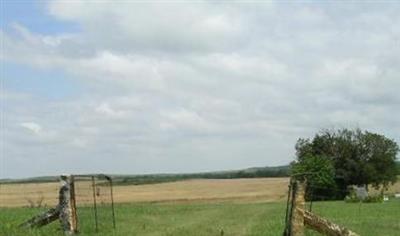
<point>320,175</point>
<point>358,157</point>
<point>318,170</point>
<point>398,167</point>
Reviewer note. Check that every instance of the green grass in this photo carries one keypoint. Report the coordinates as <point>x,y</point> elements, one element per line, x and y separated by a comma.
<point>210,218</point>
<point>365,218</point>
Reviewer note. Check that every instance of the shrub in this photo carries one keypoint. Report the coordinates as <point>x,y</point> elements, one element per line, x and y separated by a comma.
<point>352,198</point>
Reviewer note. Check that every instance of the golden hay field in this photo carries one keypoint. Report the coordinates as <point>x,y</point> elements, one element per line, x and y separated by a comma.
<point>260,189</point>
<point>254,190</point>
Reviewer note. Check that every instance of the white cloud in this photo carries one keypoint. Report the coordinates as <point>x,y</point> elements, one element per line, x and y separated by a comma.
<point>191,86</point>
<point>173,26</point>
<point>32,126</point>
<point>105,109</point>
<point>183,119</point>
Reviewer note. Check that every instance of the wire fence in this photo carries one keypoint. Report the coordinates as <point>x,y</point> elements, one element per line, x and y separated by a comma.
<point>366,215</point>
<point>95,203</point>
<point>93,196</point>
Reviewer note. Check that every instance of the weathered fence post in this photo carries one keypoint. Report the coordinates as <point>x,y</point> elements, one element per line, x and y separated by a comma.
<point>298,204</point>
<point>67,204</point>
<point>42,219</point>
<point>65,211</point>
<point>324,226</point>
<point>297,217</point>
<point>74,216</point>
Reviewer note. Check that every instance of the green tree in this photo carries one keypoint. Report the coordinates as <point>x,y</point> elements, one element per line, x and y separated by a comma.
<point>320,175</point>
<point>318,170</point>
<point>358,157</point>
<point>398,167</point>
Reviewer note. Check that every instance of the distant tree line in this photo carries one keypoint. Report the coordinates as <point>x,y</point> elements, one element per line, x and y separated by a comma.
<point>259,172</point>
<point>282,171</point>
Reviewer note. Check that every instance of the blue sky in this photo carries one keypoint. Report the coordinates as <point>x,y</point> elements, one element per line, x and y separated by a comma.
<point>47,84</point>
<point>51,84</point>
<point>33,15</point>
<point>149,87</point>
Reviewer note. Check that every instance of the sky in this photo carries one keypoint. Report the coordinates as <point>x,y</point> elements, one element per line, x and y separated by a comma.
<point>135,87</point>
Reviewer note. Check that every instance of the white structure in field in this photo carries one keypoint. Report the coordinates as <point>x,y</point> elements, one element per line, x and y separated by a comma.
<point>361,192</point>
<point>385,198</point>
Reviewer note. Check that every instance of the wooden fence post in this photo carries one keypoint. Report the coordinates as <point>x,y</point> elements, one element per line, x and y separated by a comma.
<point>297,218</point>
<point>74,216</point>
<point>67,204</point>
<point>42,219</point>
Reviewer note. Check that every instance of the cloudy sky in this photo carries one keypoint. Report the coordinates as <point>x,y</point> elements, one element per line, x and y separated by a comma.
<point>177,86</point>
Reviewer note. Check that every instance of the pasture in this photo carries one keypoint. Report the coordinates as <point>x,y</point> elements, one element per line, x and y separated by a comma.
<point>202,207</point>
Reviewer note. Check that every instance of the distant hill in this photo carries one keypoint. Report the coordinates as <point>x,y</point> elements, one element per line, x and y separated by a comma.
<point>255,172</point>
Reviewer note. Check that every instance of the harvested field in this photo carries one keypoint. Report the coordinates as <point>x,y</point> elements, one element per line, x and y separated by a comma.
<point>198,190</point>
<point>20,195</point>
<point>259,189</point>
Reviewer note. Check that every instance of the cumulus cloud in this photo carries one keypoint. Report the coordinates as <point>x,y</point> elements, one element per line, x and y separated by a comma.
<point>194,86</point>
<point>31,126</point>
<point>169,26</point>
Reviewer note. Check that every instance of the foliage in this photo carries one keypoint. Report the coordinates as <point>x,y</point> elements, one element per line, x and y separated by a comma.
<point>398,167</point>
<point>320,175</point>
<point>372,199</point>
<point>352,198</point>
<point>358,157</point>
<point>318,169</point>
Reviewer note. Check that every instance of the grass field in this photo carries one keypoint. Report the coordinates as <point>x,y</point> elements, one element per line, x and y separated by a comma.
<point>185,219</point>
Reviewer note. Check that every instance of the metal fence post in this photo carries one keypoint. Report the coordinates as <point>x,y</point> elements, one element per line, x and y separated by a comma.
<point>95,204</point>
<point>112,201</point>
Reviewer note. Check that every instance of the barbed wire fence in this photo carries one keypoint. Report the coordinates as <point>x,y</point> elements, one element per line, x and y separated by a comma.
<point>95,203</point>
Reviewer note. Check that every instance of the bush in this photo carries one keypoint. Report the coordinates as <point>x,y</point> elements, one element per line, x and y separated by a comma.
<point>352,198</point>
<point>370,199</point>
